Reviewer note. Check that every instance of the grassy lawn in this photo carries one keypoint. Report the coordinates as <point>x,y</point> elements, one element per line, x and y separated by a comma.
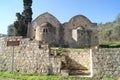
<point>112,45</point>
<point>64,49</point>
<point>23,76</point>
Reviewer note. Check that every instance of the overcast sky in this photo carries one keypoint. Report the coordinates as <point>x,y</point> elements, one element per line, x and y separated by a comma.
<point>96,10</point>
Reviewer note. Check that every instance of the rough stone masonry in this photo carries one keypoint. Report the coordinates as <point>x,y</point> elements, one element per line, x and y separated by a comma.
<point>33,57</point>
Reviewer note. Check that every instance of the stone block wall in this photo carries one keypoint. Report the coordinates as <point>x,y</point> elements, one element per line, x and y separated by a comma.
<point>47,17</point>
<point>55,65</point>
<point>78,61</point>
<point>29,57</point>
<point>32,57</point>
<point>106,62</point>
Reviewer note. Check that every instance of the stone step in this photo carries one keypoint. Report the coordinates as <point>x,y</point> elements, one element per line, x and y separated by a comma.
<point>64,72</point>
<point>79,72</point>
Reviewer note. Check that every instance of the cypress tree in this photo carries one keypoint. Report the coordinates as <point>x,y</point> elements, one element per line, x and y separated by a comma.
<point>23,19</point>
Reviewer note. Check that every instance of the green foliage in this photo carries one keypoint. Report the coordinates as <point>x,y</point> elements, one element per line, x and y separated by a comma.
<point>24,76</point>
<point>20,28</point>
<point>26,2</point>
<point>67,49</point>
<point>118,18</point>
<point>110,45</point>
<point>110,32</point>
<point>11,29</point>
<point>109,79</point>
<point>23,19</point>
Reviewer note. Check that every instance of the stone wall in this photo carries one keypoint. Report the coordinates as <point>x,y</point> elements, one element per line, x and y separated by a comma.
<point>32,57</point>
<point>80,32</point>
<point>106,62</point>
<point>58,34</point>
<point>78,61</point>
<point>46,18</point>
<point>29,57</point>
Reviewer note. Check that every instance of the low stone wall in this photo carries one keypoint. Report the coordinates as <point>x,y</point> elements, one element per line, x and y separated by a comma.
<point>106,62</point>
<point>32,57</point>
<point>78,61</point>
<point>29,57</point>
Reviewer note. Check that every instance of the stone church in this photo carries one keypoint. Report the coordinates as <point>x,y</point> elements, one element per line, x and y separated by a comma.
<point>79,31</point>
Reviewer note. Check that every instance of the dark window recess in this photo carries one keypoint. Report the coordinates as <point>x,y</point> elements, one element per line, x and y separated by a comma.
<point>81,33</point>
<point>45,30</point>
<point>95,37</point>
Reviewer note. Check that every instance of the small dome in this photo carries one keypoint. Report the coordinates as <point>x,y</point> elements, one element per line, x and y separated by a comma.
<point>80,17</point>
<point>46,18</point>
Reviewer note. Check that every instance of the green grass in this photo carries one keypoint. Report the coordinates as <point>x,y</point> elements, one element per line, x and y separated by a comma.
<point>112,45</point>
<point>67,49</point>
<point>24,76</point>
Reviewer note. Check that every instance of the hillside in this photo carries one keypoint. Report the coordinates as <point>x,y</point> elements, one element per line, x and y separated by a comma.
<point>110,32</point>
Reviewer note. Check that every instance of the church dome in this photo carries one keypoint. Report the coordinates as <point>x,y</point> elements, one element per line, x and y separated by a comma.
<point>80,18</point>
<point>79,21</point>
<point>47,18</point>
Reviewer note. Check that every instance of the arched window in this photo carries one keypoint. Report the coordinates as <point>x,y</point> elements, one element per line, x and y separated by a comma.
<point>45,30</point>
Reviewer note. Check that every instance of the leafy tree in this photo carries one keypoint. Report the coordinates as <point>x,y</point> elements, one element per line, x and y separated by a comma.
<point>20,26</point>
<point>110,31</point>
<point>118,18</point>
<point>11,30</point>
<point>23,19</point>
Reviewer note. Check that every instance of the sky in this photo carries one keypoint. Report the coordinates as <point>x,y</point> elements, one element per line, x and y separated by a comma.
<point>98,11</point>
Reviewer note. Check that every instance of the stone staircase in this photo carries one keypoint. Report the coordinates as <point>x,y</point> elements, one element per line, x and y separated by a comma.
<point>71,67</point>
<point>79,72</point>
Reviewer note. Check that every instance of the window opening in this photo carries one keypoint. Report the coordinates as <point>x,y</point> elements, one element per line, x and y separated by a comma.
<point>45,30</point>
